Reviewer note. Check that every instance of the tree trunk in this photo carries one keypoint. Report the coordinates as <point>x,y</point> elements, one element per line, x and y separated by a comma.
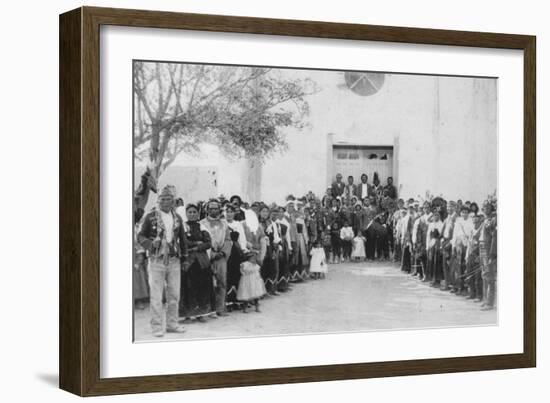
<point>159,144</point>
<point>251,185</point>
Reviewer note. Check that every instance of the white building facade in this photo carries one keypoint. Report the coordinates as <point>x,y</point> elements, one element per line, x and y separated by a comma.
<point>432,134</point>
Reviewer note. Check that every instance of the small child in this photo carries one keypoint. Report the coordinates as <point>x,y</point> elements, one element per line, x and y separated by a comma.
<point>318,263</point>
<point>358,252</point>
<point>346,234</point>
<point>251,286</point>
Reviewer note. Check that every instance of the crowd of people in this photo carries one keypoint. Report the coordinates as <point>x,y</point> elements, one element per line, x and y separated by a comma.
<point>211,258</point>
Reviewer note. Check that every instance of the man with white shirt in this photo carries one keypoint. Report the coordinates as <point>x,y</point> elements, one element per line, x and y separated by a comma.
<point>220,251</point>
<point>396,229</point>
<point>447,247</point>
<point>364,189</point>
<point>462,228</point>
<point>406,239</point>
<point>162,236</point>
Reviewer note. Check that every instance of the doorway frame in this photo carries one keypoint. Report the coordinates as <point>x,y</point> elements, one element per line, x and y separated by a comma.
<point>331,146</point>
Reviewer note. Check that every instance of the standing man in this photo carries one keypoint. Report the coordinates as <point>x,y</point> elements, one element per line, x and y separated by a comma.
<point>371,211</point>
<point>462,228</point>
<point>338,186</point>
<point>390,188</point>
<point>219,252</point>
<point>364,189</point>
<point>447,247</point>
<point>473,263</point>
<point>350,189</point>
<point>396,228</point>
<point>163,237</point>
<point>419,237</point>
<point>488,256</point>
<point>406,239</point>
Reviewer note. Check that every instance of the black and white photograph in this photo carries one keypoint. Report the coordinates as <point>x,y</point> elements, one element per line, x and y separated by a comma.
<point>273,201</point>
<point>243,201</point>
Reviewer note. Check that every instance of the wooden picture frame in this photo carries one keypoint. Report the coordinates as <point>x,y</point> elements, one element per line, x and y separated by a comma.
<point>79,346</point>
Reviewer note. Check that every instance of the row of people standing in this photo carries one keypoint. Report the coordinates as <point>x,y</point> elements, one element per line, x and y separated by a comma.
<point>363,188</point>
<point>452,247</point>
<point>200,267</point>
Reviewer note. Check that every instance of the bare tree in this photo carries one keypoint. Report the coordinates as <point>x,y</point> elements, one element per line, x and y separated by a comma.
<point>240,109</point>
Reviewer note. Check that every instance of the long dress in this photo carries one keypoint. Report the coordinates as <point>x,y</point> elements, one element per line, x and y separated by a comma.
<point>140,282</point>
<point>435,259</point>
<point>196,293</point>
<point>233,268</point>
<point>269,268</point>
<point>300,260</point>
<point>284,256</point>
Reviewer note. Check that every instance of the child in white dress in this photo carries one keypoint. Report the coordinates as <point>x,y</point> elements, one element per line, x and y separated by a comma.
<point>358,252</point>
<point>318,263</point>
<point>251,286</point>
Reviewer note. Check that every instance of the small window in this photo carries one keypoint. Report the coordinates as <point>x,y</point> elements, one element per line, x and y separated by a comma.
<point>384,157</point>
<point>373,156</point>
<point>342,156</point>
<point>353,156</point>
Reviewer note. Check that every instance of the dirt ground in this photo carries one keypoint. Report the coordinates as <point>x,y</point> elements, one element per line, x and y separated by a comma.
<point>353,297</point>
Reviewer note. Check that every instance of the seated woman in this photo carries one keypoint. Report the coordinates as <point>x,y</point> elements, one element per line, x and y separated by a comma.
<point>196,280</point>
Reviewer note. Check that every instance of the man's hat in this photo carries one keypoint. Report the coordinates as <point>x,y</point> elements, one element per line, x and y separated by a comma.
<point>168,191</point>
